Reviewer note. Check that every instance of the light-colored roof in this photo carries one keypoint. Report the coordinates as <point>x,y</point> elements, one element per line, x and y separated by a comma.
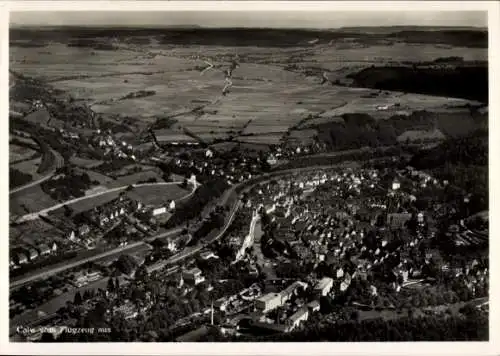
<point>298,314</point>
<point>323,283</point>
<point>267,297</point>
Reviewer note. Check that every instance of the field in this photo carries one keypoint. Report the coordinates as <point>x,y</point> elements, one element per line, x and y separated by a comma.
<point>29,232</point>
<point>158,195</point>
<point>29,166</point>
<point>29,200</point>
<point>18,153</point>
<point>272,90</point>
<point>84,162</point>
<point>413,135</point>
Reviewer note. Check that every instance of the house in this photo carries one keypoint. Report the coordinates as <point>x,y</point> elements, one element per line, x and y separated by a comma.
<point>340,273</point>
<point>71,235</point>
<point>33,254</point>
<point>297,318</point>
<point>313,306</point>
<point>268,302</point>
<point>396,185</point>
<point>324,286</point>
<point>193,276</point>
<point>22,258</point>
<point>290,290</point>
<point>44,249</point>
<point>398,220</point>
<point>206,255</point>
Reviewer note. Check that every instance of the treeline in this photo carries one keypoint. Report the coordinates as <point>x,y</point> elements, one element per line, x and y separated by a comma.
<point>139,94</point>
<point>359,130</point>
<point>363,155</point>
<point>470,150</point>
<point>462,161</point>
<point>71,185</point>
<point>48,157</point>
<point>206,193</point>
<point>90,37</point>
<point>467,82</point>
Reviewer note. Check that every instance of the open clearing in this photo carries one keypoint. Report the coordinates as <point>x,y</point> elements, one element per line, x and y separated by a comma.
<point>158,195</point>
<point>33,198</point>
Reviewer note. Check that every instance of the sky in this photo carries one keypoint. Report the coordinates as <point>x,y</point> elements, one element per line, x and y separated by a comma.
<point>284,19</point>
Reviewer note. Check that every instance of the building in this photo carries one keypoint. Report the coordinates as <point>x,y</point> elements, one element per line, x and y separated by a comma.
<point>324,286</point>
<point>313,306</point>
<point>297,318</point>
<point>193,276</point>
<point>22,258</point>
<point>33,254</point>
<point>398,220</point>
<point>290,290</point>
<point>44,250</point>
<point>396,184</point>
<point>159,211</point>
<point>268,302</point>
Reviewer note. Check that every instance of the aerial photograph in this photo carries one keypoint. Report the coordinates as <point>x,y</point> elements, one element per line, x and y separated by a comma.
<point>248,177</point>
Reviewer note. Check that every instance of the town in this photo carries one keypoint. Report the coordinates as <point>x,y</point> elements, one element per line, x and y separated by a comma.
<point>185,185</point>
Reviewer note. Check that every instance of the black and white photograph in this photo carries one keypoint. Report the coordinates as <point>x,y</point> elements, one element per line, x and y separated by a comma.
<point>248,176</point>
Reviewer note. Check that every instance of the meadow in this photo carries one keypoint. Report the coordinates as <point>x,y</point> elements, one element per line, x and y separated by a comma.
<point>272,90</point>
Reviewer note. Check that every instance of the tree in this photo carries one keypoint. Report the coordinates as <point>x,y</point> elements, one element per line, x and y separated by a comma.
<point>78,298</point>
<point>111,285</point>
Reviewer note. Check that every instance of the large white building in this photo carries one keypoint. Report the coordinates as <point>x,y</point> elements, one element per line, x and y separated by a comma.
<point>268,302</point>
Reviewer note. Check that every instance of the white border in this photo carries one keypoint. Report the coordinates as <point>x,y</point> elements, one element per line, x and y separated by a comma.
<point>424,348</point>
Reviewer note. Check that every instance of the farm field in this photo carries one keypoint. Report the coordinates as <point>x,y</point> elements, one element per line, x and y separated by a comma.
<point>157,195</point>
<point>84,162</point>
<point>263,91</point>
<point>29,166</point>
<point>331,57</point>
<point>17,153</point>
<point>267,139</point>
<point>135,178</point>
<point>29,200</point>
<point>29,232</point>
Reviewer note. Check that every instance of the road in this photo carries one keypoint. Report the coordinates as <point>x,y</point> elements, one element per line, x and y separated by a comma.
<point>36,215</point>
<point>58,163</point>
